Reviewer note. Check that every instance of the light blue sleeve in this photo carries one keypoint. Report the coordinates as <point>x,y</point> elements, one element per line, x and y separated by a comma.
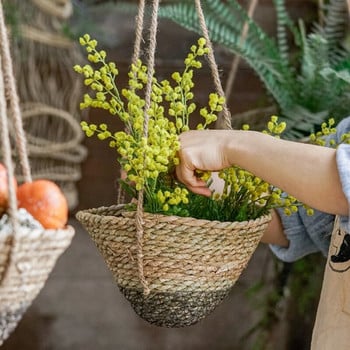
<point>310,234</point>
<point>306,234</point>
<point>343,162</point>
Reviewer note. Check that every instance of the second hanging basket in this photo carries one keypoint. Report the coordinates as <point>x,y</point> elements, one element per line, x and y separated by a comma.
<point>190,265</point>
<point>27,258</point>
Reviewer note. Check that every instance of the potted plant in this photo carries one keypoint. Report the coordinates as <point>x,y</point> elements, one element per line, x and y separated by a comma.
<point>193,248</point>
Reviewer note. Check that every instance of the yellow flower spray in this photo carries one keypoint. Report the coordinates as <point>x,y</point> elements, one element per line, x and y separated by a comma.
<point>149,163</point>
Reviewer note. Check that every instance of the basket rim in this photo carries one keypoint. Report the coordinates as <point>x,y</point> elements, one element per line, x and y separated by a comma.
<point>36,233</point>
<point>98,212</point>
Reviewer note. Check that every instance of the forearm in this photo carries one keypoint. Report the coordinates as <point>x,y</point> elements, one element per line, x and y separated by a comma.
<point>274,233</point>
<point>307,172</point>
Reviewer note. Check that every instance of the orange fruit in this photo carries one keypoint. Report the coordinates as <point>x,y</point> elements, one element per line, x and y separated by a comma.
<point>4,191</point>
<point>45,201</point>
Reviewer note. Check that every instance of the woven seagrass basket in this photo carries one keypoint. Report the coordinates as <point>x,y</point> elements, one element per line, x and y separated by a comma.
<point>190,265</point>
<point>26,260</point>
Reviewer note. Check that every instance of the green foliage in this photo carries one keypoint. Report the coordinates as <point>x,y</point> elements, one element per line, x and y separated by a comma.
<point>308,86</point>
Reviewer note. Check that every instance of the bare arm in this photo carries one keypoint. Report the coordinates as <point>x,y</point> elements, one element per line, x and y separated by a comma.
<point>274,233</point>
<point>305,171</point>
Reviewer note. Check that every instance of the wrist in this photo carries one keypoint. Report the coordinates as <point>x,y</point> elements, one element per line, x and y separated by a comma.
<point>238,146</point>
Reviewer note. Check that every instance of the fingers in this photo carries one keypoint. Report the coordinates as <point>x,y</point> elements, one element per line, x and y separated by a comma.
<point>204,191</point>
<point>187,176</point>
<point>190,161</point>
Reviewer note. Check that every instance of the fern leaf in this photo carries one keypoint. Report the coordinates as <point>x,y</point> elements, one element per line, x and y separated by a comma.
<point>333,30</point>
<point>266,63</point>
<point>282,20</point>
<point>235,17</point>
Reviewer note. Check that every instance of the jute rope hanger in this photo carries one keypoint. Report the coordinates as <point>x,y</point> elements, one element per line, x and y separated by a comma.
<point>9,93</point>
<point>225,114</point>
<point>150,72</point>
<point>12,96</point>
<point>6,147</point>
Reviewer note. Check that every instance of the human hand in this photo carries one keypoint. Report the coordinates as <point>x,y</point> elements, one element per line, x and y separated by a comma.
<point>205,150</point>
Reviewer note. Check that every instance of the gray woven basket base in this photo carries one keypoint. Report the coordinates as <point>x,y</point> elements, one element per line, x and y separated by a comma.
<point>9,320</point>
<point>178,309</point>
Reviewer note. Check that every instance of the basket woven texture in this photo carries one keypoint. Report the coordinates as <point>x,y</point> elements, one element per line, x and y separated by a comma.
<point>25,264</point>
<point>190,264</point>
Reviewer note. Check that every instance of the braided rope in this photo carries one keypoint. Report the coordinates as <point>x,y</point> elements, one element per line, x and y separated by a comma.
<point>8,89</point>
<point>150,73</point>
<point>38,145</point>
<point>6,147</point>
<point>11,94</point>
<point>214,68</point>
<point>138,31</point>
<point>6,81</point>
<point>136,55</point>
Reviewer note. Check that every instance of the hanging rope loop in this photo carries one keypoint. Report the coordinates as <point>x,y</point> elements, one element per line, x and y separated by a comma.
<point>226,122</point>
<point>6,150</point>
<point>226,116</point>
<point>8,93</point>
<point>11,94</point>
<point>138,31</point>
<point>150,73</point>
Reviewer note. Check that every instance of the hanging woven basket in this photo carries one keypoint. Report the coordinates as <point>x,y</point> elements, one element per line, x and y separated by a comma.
<point>190,264</point>
<point>173,270</point>
<point>27,257</point>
